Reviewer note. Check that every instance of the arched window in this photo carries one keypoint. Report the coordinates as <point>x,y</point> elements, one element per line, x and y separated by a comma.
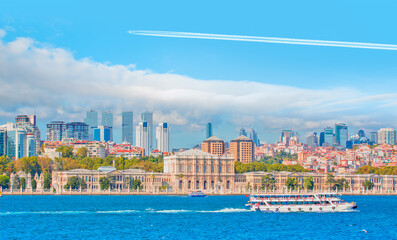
<point>197,169</point>
<point>197,184</point>
<point>212,184</point>
<point>180,184</point>
<point>227,184</point>
<point>205,184</point>
<point>188,185</point>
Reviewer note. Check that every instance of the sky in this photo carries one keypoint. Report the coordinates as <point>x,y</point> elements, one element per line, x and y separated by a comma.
<point>63,58</point>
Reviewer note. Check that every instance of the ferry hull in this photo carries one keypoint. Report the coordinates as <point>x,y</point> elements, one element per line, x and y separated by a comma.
<point>306,208</point>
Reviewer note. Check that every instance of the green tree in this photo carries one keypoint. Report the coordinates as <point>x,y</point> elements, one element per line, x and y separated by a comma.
<point>83,184</point>
<point>73,183</point>
<point>82,152</point>
<point>268,182</point>
<point>330,181</point>
<point>104,183</point>
<point>341,184</point>
<point>4,181</point>
<point>137,184</point>
<point>368,185</point>
<point>66,151</point>
<point>308,183</point>
<point>47,180</point>
<point>34,184</point>
<point>292,183</point>
<point>4,161</point>
<point>23,183</point>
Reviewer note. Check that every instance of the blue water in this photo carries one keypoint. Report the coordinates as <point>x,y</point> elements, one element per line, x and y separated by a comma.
<point>176,217</point>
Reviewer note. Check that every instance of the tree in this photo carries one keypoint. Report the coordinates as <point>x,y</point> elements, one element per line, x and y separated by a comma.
<point>4,161</point>
<point>268,182</point>
<point>308,183</point>
<point>23,183</point>
<point>341,184</point>
<point>368,185</point>
<point>292,183</point>
<point>104,183</point>
<point>66,151</point>
<point>330,181</point>
<point>82,152</point>
<point>137,184</point>
<point>83,184</point>
<point>47,180</point>
<point>73,183</point>
<point>34,184</point>
<point>4,181</point>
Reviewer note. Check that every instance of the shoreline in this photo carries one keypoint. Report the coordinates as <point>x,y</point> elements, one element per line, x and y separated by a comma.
<point>163,194</point>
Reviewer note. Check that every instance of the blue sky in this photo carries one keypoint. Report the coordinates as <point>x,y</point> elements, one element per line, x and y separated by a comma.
<point>328,84</point>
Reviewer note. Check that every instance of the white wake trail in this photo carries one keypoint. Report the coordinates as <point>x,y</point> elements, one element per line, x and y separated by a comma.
<point>264,39</point>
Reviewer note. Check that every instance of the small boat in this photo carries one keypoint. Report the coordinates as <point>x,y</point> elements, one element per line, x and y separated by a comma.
<point>317,202</point>
<point>197,194</point>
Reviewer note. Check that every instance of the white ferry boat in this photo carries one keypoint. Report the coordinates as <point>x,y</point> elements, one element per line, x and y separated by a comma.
<point>318,202</point>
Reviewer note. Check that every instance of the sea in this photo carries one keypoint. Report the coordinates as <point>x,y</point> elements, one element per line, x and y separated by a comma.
<point>180,217</point>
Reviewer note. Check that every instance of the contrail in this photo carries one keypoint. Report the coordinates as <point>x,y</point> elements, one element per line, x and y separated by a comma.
<point>264,39</point>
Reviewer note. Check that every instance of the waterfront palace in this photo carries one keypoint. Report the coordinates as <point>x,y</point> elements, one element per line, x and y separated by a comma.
<point>198,170</point>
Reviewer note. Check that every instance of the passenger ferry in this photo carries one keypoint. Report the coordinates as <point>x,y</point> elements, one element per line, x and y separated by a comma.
<point>197,194</point>
<point>318,202</point>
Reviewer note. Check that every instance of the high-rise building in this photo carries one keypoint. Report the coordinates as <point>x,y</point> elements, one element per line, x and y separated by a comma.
<point>243,132</point>
<point>107,119</point>
<point>148,118</point>
<point>103,134</point>
<point>242,148</point>
<point>91,120</point>
<point>77,131</point>
<point>208,130</point>
<point>214,146</point>
<point>142,137</point>
<point>16,142</point>
<point>56,131</point>
<point>373,137</point>
<point>163,137</point>
<point>387,136</point>
<point>286,135</point>
<point>341,134</point>
<point>328,136</point>
<point>361,134</point>
<point>28,123</point>
<point>127,129</point>
<point>322,139</point>
<point>312,140</point>
<point>254,137</point>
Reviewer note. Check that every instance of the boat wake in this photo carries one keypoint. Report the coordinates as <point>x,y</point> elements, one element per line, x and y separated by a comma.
<point>149,210</point>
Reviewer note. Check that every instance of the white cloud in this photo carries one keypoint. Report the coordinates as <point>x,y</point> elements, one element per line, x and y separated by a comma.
<point>51,80</point>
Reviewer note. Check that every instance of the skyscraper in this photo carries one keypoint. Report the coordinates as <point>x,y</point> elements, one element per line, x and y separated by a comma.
<point>77,131</point>
<point>322,139</point>
<point>214,146</point>
<point>163,137</point>
<point>312,140</point>
<point>286,135</point>
<point>341,134</point>
<point>328,136</point>
<point>373,137</point>
<point>127,129</point>
<point>254,137</point>
<point>28,123</point>
<point>148,118</point>
<point>107,119</point>
<point>142,137</point>
<point>91,120</point>
<point>208,130</point>
<point>16,142</point>
<point>387,136</point>
<point>56,131</point>
<point>243,132</point>
<point>242,148</point>
<point>103,134</point>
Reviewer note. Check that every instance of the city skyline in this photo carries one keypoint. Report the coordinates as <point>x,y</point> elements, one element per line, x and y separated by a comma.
<point>188,82</point>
